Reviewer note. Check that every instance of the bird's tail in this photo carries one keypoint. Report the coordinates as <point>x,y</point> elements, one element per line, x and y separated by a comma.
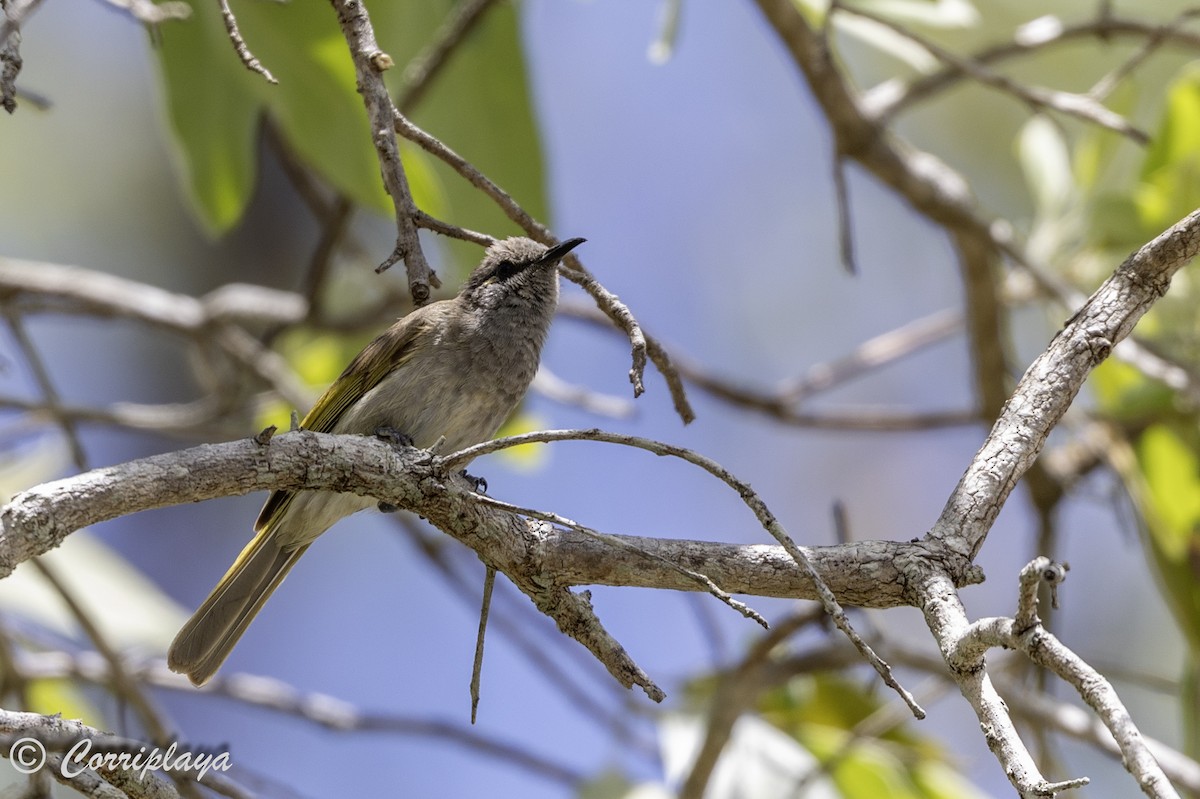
<point>211,633</point>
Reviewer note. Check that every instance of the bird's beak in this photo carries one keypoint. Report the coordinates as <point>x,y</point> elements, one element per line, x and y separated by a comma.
<point>558,251</point>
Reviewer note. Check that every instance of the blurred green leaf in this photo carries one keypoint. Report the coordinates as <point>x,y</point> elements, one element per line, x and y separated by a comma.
<point>479,105</point>
<point>213,109</point>
<point>318,357</point>
<point>1116,222</point>
<point>823,712</point>
<point>1098,154</point>
<point>1127,396</point>
<point>1168,182</point>
<point>613,785</point>
<point>64,697</point>
<point>1170,507</point>
<point>1170,186</point>
<point>1175,140</point>
<point>939,780</point>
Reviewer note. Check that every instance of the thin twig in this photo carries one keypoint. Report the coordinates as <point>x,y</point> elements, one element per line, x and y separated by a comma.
<point>1109,82</point>
<point>15,12</point>
<point>333,228</point>
<point>489,583</point>
<point>1052,714</point>
<point>748,496</point>
<point>841,193</point>
<point>571,268</point>
<point>736,690</point>
<point>369,64</point>
<point>779,403</point>
<point>319,709</point>
<point>1051,382</point>
<point>553,387</point>
<point>444,228</point>
<point>1076,105</point>
<point>239,44</point>
<point>1044,649</point>
<point>888,99</point>
<point>669,16</point>
<point>516,623</point>
<point>52,401</point>
<point>122,683</point>
<point>427,64</point>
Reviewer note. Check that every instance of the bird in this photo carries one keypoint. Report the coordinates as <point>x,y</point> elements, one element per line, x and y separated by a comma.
<point>454,369</point>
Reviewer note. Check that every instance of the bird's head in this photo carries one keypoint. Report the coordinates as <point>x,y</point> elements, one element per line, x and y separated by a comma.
<point>516,268</point>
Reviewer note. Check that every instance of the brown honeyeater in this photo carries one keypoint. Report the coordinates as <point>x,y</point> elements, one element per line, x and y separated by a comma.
<point>455,368</point>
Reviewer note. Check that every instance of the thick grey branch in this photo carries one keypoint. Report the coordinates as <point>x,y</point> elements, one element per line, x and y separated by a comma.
<point>39,285</point>
<point>1052,381</point>
<point>541,561</point>
<point>39,519</point>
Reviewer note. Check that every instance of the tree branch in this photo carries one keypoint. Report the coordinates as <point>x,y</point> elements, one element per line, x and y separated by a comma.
<point>1052,381</point>
<point>1026,634</point>
<point>541,561</point>
<point>369,64</point>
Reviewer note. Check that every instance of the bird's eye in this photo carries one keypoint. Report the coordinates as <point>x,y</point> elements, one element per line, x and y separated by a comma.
<point>504,269</point>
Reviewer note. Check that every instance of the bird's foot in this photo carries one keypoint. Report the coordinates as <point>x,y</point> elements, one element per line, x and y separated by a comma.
<point>393,436</point>
<point>478,484</point>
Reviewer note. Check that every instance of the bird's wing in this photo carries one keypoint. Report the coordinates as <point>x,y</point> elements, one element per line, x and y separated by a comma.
<point>387,352</point>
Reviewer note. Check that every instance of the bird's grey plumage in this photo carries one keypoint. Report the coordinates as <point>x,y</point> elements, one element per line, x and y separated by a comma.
<point>455,368</point>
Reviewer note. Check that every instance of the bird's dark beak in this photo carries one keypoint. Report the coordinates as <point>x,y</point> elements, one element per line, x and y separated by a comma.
<point>558,251</point>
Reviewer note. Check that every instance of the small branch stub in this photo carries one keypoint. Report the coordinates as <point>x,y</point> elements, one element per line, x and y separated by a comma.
<point>381,61</point>
<point>1036,572</point>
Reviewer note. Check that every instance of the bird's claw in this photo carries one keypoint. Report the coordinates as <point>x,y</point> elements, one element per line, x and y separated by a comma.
<point>478,484</point>
<point>393,436</point>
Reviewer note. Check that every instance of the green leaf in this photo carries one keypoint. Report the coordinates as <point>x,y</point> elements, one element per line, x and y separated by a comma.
<point>822,712</point>
<point>1175,140</point>
<point>1102,156</point>
<point>1127,396</point>
<point>1116,222</point>
<point>213,110</point>
<point>479,105</point>
<point>614,785</point>
<point>938,780</point>
<point>318,358</point>
<point>1171,170</point>
<point>1170,506</point>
